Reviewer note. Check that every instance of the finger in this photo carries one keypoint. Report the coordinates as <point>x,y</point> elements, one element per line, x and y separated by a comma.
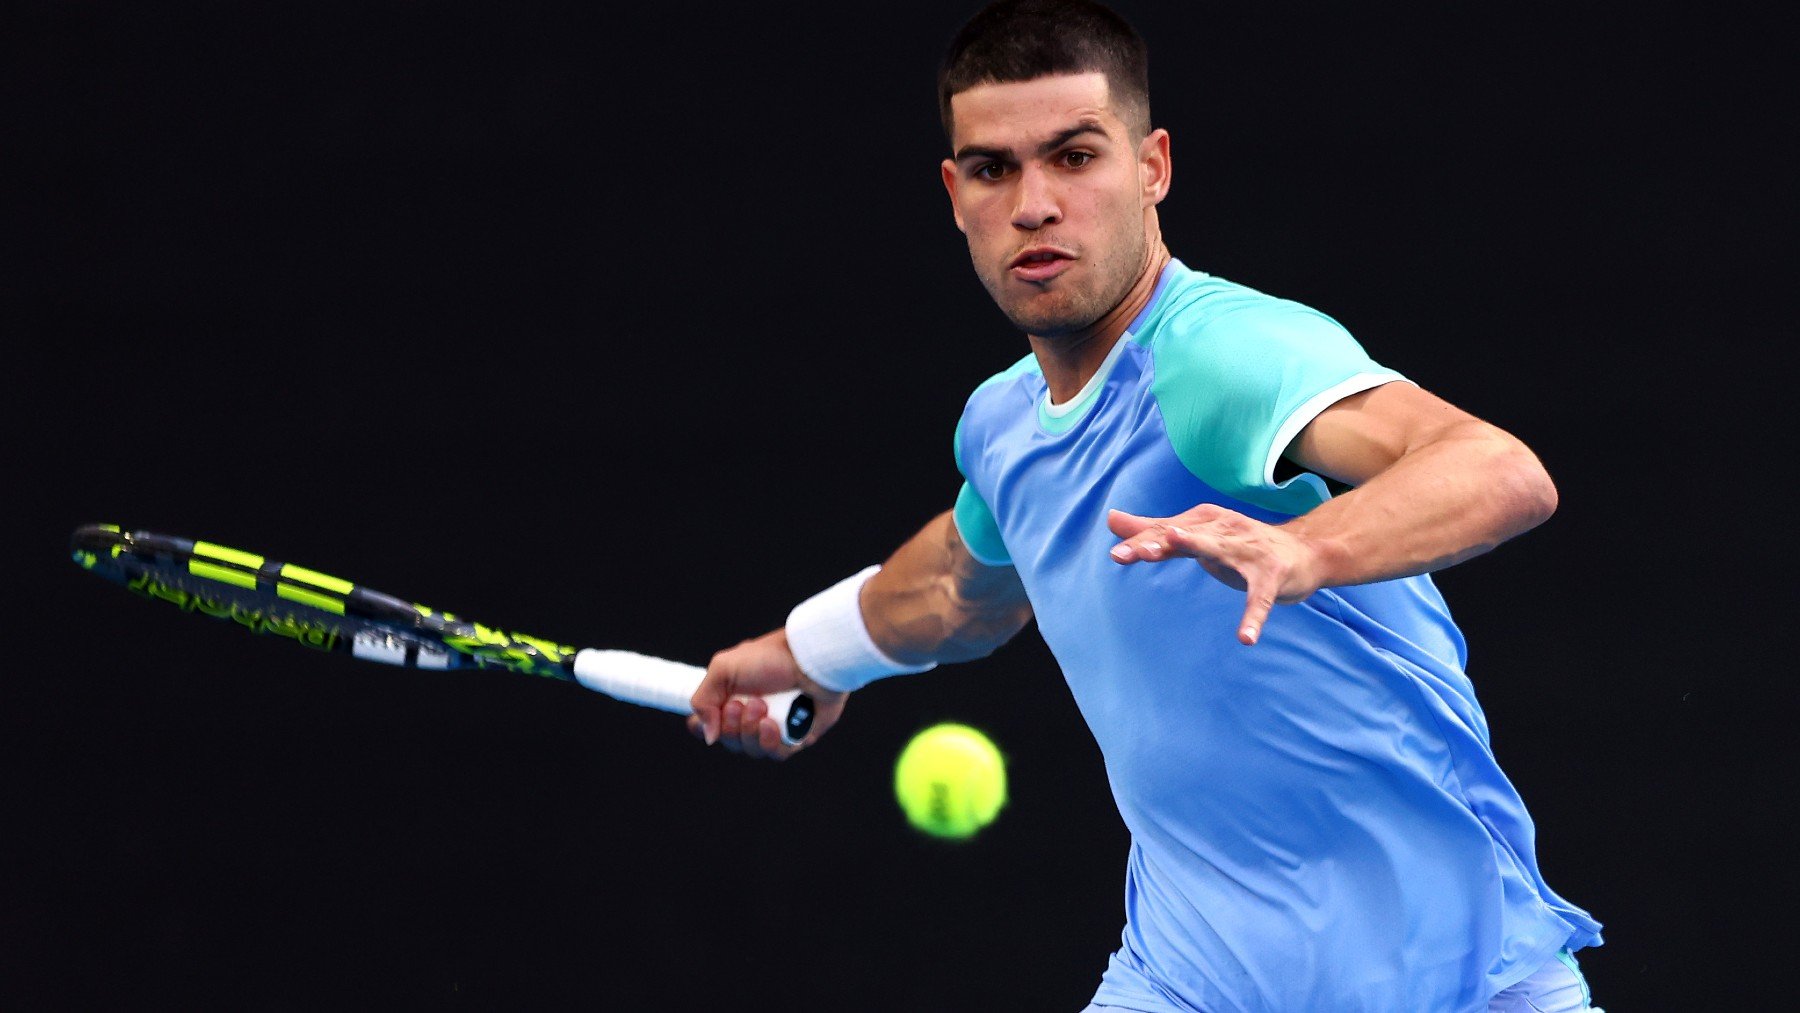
<point>769,738</point>
<point>708,698</point>
<point>1260,600</point>
<point>730,716</point>
<point>1138,533</point>
<point>694,727</point>
<point>751,712</point>
<point>1125,525</point>
<point>1153,544</point>
<point>708,720</point>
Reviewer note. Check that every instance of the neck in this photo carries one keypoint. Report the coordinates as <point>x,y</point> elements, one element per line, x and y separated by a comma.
<point>1070,360</point>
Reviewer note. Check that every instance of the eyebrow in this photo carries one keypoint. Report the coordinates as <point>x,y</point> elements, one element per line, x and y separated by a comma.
<point>1061,138</point>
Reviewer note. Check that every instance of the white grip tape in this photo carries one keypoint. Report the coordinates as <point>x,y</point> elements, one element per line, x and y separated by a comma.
<point>658,682</point>
<point>639,678</point>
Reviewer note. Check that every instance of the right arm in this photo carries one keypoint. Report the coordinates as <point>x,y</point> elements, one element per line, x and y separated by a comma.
<point>931,601</point>
<point>934,601</point>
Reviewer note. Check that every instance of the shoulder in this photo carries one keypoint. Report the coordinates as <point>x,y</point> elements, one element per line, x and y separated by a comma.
<point>1236,374</point>
<point>1222,329</point>
<point>1019,374</point>
<point>1007,391</point>
<point>1008,394</point>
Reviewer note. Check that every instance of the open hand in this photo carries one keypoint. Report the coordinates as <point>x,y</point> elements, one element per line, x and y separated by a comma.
<point>1272,564</point>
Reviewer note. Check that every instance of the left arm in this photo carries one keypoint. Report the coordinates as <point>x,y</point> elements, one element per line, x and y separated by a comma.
<point>1434,486</point>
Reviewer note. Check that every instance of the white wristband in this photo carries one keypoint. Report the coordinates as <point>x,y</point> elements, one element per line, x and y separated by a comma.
<point>832,644</point>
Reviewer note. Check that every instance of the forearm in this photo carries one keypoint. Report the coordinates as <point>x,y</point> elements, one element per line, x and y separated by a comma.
<point>1471,488</point>
<point>932,601</point>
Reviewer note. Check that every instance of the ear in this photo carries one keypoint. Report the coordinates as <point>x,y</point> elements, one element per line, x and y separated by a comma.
<point>1154,168</point>
<point>948,171</point>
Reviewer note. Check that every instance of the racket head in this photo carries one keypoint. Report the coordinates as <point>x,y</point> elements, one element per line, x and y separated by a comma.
<point>313,609</point>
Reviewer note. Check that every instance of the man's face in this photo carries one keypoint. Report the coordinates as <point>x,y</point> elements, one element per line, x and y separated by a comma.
<point>1053,196</point>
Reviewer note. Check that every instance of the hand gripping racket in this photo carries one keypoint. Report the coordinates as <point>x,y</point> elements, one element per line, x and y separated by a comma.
<point>327,613</point>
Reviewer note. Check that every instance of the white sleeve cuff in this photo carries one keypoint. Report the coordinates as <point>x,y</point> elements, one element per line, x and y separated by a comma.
<point>831,642</point>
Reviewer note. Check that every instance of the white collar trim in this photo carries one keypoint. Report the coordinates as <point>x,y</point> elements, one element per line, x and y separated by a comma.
<point>1057,411</point>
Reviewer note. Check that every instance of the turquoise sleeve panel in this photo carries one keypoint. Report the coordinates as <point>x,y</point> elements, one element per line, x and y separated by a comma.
<point>974,521</point>
<point>1235,391</point>
<point>980,535</point>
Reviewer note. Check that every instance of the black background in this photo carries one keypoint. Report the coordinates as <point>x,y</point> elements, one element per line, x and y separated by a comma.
<point>634,328</point>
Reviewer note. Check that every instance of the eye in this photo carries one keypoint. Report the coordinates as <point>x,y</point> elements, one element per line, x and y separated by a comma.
<point>990,171</point>
<point>1077,159</point>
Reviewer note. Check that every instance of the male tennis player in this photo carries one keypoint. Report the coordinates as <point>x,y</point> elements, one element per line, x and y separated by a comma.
<point>1317,821</point>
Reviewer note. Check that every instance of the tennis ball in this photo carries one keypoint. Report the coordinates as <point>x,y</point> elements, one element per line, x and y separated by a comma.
<point>950,781</point>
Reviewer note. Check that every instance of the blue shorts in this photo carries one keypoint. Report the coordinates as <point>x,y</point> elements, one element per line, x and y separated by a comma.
<point>1556,987</point>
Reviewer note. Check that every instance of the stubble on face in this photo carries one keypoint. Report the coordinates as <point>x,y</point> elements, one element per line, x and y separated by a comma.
<point>1099,218</point>
<point>1072,303</point>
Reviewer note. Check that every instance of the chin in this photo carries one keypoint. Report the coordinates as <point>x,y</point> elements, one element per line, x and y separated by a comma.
<point>1049,321</point>
<point>1045,326</point>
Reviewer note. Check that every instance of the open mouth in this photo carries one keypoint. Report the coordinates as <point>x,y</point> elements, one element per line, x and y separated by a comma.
<point>1040,264</point>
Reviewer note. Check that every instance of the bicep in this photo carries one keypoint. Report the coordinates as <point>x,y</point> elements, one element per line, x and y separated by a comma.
<point>983,585</point>
<point>1362,435</point>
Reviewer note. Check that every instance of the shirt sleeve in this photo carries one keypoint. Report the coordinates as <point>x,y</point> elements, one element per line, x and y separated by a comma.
<point>974,521</point>
<point>1235,392</point>
<point>980,534</point>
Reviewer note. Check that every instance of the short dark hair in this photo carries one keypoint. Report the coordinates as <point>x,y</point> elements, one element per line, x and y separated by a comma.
<point>1019,40</point>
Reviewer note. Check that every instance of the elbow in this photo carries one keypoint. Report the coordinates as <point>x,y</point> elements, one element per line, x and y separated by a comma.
<point>1548,498</point>
<point>1533,496</point>
<point>980,631</point>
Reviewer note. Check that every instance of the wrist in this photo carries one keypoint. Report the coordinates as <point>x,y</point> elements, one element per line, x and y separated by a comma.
<point>1326,560</point>
<point>830,641</point>
<point>778,639</point>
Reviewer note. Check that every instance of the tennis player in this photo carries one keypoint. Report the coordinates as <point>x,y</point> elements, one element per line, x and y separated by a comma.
<point>1317,820</point>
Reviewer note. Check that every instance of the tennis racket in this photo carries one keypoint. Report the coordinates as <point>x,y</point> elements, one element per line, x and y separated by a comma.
<point>326,613</point>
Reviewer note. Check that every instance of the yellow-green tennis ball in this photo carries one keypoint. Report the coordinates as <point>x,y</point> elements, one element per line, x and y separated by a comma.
<point>950,781</point>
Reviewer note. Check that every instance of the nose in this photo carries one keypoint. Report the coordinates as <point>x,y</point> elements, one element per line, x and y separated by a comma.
<point>1037,205</point>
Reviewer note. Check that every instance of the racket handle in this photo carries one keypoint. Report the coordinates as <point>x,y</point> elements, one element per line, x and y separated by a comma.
<point>669,686</point>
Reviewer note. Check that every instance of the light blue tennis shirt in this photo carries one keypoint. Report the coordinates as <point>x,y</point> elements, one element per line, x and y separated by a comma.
<point>1317,822</point>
